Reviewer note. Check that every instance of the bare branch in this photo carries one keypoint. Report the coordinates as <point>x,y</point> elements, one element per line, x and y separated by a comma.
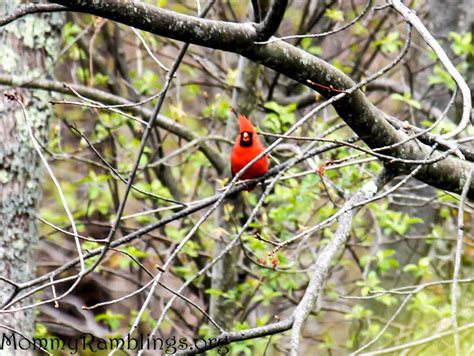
<point>457,261</point>
<point>208,33</point>
<point>415,343</point>
<point>32,8</point>
<point>410,17</point>
<point>367,121</point>
<point>272,21</point>
<point>327,255</point>
<point>228,337</point>
<point>105,97</point>
<point>327,33</point>
<point>37,147</point>
<point>392,318</point>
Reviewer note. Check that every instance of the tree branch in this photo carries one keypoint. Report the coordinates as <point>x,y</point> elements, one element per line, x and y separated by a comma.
<point>192,208</point>
<point>272,21</point>
<point>111,99</point>
<point>229,36</point>
<point>27,9</point>
<point>320,271</point>
<point>327,255</point>
<point>457,262</point>
<point>366,120</point>
<point>418,342</point>
<point>410,17</point>
<point>228,337</point>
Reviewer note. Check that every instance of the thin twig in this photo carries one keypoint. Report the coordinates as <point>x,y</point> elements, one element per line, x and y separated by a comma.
<point>149,51</point>
<point>324,34</point>
<point>37,147</point>
<point>325,258</point>
<point>387,324</point>
<point>419,342</point>
<point>457,261</point>
<point>411,18</point>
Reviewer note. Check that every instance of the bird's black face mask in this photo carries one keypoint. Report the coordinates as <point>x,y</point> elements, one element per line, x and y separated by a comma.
<point>246,139</point>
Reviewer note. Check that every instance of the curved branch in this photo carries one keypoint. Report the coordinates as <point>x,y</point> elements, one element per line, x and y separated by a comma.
<point>325,258</point>
<point>410,17</point>
<point>331,32</point>
<point>272,21</point>
<point>320,270</point>
<point>111,99</point>
<point>229,36</point>
<point>228,337</point>
<point>356,110</point>
<point>418,342</point>
<point>191,209</point>
<point>27,9</point>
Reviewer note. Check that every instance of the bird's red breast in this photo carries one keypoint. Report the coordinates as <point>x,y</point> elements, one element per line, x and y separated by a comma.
<point>247,146</point>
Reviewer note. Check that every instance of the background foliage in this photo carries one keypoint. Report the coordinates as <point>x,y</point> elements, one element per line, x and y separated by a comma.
<point>392,243</point>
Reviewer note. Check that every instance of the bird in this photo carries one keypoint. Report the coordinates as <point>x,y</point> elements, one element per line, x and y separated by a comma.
<point>247,146</point>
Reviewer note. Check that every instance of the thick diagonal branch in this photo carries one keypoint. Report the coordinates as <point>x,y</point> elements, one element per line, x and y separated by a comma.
<point>355,109</point>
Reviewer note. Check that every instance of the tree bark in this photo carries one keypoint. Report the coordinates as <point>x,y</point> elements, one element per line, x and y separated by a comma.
<point>368,122</point>
<point>27,47</point>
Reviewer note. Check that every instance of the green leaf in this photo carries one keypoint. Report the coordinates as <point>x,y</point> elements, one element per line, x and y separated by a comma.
<point>306,44</point>
<point>135,252</point>
<point>101,79</point>
<point>213,292</point>
<point>82,74</point>
<point>358,312</point>
<point>406,98</point>
<point>390,43</point>
<point>111,319</point>
<point>70,30</point>
<point>441,76</point>
<point>359,30</point>
<point>424,262</point>
<point>93,192</point>
<point>410,268</point>
<point>334,14</point>
<point>462,44</point>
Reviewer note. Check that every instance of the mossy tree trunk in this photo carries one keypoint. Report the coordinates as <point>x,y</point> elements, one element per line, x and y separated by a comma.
<point>27,47</point>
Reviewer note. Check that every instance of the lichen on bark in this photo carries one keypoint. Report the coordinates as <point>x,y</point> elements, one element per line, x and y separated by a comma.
<point>32,44</point>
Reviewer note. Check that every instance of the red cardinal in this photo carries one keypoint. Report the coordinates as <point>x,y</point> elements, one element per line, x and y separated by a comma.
<point>247,147</point>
